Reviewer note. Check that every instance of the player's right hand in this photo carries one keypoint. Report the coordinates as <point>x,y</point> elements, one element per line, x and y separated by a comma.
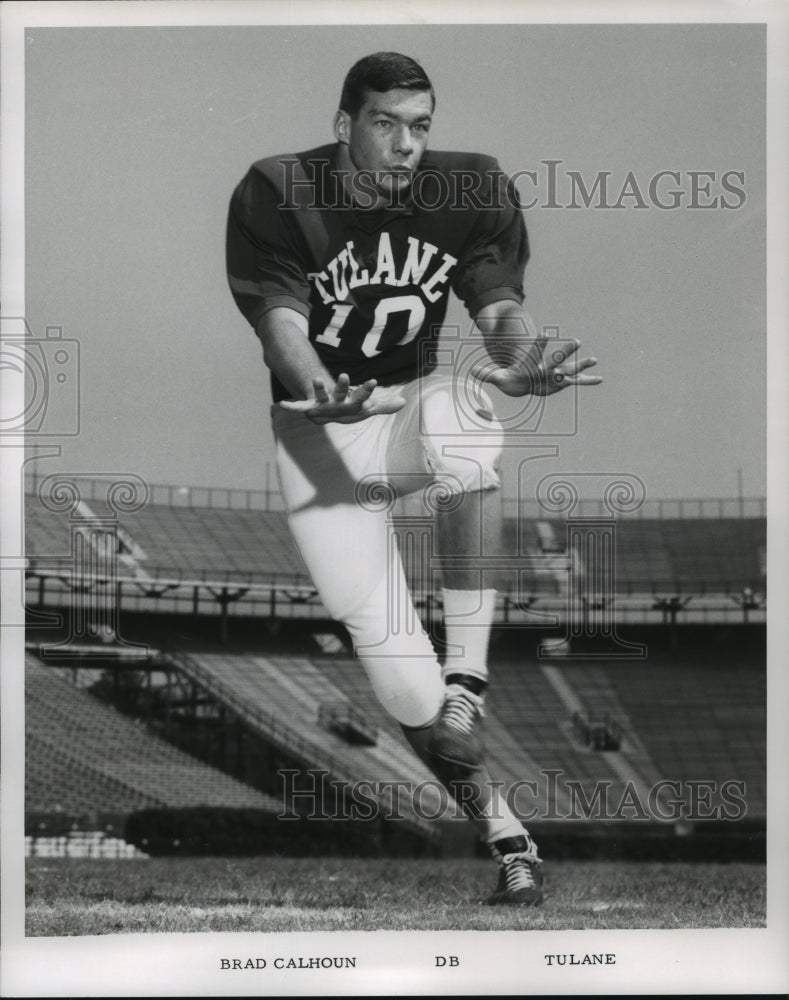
<point>346,404</point>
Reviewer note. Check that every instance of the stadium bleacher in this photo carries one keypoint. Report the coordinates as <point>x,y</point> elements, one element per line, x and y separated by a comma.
<point>703,555</point>
<point>184,540</point>
<point>281,698</point>
<point>507,756</point>
<point>700,724</point>
<point>535,717</point>
<point>85,756</point>
<point>678,720</point>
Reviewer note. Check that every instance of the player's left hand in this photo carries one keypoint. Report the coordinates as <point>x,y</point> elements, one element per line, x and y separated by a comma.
<point>346,404</point>
<point>541,377</point>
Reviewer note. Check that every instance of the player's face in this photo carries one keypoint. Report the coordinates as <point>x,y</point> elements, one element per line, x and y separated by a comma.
<point>388,136</point>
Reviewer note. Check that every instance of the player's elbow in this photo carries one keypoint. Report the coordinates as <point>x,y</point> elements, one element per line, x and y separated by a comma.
<point>278,329</point>
<point>268,357</point>
<point>491,318</point>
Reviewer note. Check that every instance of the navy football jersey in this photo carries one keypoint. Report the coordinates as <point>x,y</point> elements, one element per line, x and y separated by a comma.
<point>373,283</point>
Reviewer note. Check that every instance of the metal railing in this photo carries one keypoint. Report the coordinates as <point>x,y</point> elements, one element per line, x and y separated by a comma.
<point>710,603</point>
<point>286,737</point>
<point>179,496</point>
<point>663,509</point>
<point>269,499</point>
<point>298,585</point>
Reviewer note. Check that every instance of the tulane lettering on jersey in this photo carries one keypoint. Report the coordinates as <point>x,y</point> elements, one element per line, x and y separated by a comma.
<point>374,284</point>
<point>344,273</point>
<point>391,297</point>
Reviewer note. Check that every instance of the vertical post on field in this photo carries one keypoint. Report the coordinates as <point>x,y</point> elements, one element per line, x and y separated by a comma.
<point>591,546</point>
<point>94,622</point>
<point>94,582</point>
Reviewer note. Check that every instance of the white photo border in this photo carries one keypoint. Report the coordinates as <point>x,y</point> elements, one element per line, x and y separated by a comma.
<point>665,962</point>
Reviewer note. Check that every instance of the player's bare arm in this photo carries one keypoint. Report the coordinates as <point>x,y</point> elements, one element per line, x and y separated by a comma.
<point>517,363</point>
<point>289,354</point>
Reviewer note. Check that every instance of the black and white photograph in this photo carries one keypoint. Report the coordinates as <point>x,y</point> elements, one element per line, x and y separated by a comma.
<point>393,458</point>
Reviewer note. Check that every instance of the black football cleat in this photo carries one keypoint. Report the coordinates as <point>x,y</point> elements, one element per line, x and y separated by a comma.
<point>455,737</point>
<point>520,877</point>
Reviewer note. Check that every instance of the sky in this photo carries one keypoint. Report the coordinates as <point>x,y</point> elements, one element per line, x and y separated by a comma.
<point>135,138</point>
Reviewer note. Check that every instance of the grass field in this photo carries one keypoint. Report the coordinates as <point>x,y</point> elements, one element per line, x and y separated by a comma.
<point>96,896</point>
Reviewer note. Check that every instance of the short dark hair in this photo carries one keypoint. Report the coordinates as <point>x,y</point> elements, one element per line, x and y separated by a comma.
<point>382,71</point>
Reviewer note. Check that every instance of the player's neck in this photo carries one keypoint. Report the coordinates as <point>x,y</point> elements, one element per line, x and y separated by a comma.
<point>348,173</point>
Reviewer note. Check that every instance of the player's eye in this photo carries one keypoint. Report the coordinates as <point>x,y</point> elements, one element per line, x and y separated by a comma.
<point>422,129</point>
<point>383,123</point>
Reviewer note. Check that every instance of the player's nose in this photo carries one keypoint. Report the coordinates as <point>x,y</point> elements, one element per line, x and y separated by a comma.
<point>403,143</point>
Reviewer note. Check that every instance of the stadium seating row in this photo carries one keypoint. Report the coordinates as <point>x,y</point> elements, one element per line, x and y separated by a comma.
<point>679,721</point>
<point>694,554</point>
<point>281,698</point>
<point>86,756</point>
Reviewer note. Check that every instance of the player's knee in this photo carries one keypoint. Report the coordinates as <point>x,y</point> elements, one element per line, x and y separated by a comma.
<point>448,420</point>
<point>474,470</point>
<point>405,676</point>
<point>399,660</point>
<point>413,697</point>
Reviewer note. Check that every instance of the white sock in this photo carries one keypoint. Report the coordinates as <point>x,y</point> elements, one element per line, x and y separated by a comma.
<point>499,821</point>
<point>468,616</point>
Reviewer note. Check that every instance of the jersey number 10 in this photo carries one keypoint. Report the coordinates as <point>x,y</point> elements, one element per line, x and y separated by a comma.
<point>412,304</point>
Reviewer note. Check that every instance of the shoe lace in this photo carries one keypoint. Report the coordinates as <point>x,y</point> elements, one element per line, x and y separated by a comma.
<point>462,708</point>
<point>519,871</point>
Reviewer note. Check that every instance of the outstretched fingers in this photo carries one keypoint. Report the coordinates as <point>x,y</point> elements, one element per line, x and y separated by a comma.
<point>572,372</point>
<point>361,393</point>
<point>345,403</point>
<point>561,354</point>
<point>319,388</point>
<point>584,379</point>
<point>341,387</point>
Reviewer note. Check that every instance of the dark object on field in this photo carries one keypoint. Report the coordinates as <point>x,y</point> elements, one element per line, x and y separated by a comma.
<point>342,718</point>
<point>598,733</point>
<point>226,832</point>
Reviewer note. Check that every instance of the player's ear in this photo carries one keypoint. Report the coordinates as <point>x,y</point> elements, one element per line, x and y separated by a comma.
<point>342,127</point>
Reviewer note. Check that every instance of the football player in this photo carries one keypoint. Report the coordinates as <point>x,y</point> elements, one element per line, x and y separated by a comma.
<point>342,259</point>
